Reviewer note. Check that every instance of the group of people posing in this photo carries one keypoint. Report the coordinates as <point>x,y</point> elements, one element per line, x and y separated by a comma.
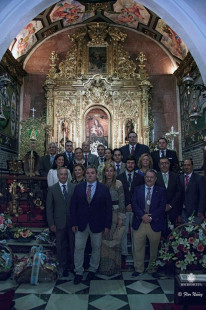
<point>103,196</point>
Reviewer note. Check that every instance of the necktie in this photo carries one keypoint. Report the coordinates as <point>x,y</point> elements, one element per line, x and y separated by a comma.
<point>102,159</point>
<point>162,153</point>
<point>132,150</point>
<point>186,181</point>
<point>65,192</point>
<point>118,169</point>
<point>86,157</point>
<point>148,200</point>
<point>165,179</point>
<point>52,159</point>
<point>89,193</point>
<point>69,156</point>
<point>130,180</point>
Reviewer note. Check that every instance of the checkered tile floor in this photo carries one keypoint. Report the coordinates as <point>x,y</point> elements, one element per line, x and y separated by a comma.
<point>119,292</point>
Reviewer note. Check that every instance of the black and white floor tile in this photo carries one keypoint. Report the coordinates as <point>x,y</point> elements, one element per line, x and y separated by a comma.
<point>119,292</point>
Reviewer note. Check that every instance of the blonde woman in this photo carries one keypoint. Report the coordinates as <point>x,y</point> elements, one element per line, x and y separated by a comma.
<point>110,262</point>
<point>145,162</point>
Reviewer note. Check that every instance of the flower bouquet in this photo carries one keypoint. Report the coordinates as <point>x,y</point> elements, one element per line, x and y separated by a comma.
<point>5,226</point>
<point>22,234</point>
<point>185,248</point>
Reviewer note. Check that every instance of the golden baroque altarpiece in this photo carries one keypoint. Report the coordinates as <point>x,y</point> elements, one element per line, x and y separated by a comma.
<point>97,74</point>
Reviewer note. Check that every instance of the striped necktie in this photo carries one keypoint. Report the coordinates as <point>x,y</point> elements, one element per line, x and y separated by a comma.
<point>89,193</point>
<point>65,192</point>
<point>148,200</point>
<point>118,168</point>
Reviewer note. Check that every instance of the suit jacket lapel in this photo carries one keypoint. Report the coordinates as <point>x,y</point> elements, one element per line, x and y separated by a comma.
<point>95,193</point>
<point>69,190</point>
<point>170,180</point>
<point>59,192</point>
<point>190,181</point>
<point>154,192</point>
<point>162,180</point>
<point>142,196</point>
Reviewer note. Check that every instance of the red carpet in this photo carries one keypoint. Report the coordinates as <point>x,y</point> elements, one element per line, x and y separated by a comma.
<point>162,306</point>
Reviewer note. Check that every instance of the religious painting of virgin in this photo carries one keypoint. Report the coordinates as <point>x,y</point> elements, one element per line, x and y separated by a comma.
<point>97,127</point>
<point>97,60</point>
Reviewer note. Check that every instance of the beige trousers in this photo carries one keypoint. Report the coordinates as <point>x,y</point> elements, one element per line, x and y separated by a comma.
<point>140,237</point>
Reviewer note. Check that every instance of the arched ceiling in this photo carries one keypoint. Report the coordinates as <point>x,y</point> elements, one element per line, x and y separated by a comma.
<point>67,13</point>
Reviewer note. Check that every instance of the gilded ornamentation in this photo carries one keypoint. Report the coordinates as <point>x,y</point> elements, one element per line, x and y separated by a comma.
<point>14,190</point>
<point>121,89</point>
<point>97,33</point>
<point>52,71</point>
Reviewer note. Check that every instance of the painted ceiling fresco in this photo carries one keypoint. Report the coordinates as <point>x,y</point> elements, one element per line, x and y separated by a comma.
<point>129,13</point>
<point>123,12</point>
<point>25,39</point>
<point>171,40</point>
<point>70,12</point>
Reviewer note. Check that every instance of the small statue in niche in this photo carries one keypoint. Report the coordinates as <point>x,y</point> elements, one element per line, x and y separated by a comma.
<point>31,161</point>
<point>129,127</point>
<point>65,129</point>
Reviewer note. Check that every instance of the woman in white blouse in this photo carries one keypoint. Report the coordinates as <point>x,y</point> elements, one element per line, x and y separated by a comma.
<point>52,177</point>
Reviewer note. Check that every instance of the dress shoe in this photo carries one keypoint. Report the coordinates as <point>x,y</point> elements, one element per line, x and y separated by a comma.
<point>136,274</point>
<point>77,279</point>
<point>65,273</point>
<point>155,275</point>
<point>90,276</point>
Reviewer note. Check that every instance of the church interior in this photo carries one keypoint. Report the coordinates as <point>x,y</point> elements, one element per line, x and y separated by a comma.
<point>85,71</point>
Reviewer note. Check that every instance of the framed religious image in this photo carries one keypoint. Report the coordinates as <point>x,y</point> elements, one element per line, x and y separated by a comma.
<point>97,128</point>
<point>97,60</point>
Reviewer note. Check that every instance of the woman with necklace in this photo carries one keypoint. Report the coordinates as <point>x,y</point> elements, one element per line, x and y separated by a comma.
<point>110,262</point>
<point>145,162</point>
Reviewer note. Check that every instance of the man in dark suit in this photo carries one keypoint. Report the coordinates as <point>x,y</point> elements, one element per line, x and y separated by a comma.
<point>130,179</point>
<point>133,148</point>
<point>46,161</point>
<point>170,181</point>
<point>119,165</point>
<point>101,152</point>
<point>148,204</point>
<point>68,154</point>
<point>89,158</point>
<point>194,193</point>
<point>58,217</point>
<point>91,215</point>
<point>164,152</point>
